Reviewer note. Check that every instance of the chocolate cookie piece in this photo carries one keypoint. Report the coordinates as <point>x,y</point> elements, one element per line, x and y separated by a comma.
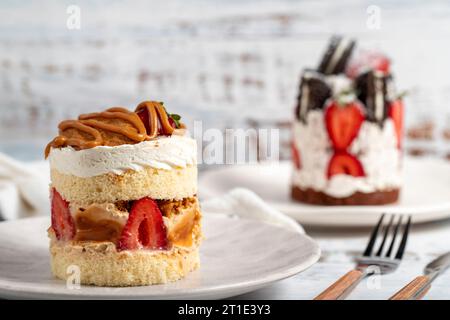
<point>314,91</point>
<point>336,56</point>
<point>375,91</point>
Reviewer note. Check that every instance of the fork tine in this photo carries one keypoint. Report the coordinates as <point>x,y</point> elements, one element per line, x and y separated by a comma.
<point>386,232</point>
<point>394,237</point>
<point>373,237</point>
<point>401,248</point>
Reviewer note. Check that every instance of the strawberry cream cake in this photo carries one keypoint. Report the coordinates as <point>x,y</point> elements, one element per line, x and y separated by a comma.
<point>347,134</point>
<point>123,197</point>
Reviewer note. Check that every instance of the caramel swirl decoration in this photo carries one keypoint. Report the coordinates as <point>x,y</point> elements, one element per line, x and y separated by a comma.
<point>148,121</point>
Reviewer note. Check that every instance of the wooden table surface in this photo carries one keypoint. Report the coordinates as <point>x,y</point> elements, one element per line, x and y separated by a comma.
<point>340,246</point>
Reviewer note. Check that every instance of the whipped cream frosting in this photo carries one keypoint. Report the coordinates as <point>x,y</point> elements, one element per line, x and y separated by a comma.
<point>161,153</point>
<point>339,84</point>
<point>375,148</point>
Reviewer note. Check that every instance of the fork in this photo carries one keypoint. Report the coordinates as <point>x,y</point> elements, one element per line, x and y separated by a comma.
<point>372,261</point>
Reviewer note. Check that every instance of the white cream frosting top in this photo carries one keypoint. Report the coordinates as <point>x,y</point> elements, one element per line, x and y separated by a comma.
<point>162,153</point>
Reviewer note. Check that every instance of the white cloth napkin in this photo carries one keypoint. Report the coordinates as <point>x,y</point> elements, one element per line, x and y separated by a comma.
<point>23,188</point>
<point>246,204</point>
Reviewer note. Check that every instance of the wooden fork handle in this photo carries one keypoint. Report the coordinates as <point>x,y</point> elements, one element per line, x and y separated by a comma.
<point>338,289</point>
<point>411,289</point>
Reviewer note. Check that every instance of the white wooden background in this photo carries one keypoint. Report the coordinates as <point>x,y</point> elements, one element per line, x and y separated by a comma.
<point>219,61</point>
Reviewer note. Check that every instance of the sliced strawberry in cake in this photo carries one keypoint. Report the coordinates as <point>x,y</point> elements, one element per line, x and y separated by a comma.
<point>62,221</point>
<point>343,162</point>
<point>145,227</point>
<point>396,113</point>
<point>296,156</point>
<point>343,121</point>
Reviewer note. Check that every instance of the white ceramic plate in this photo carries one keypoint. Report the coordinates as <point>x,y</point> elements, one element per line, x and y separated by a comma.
<point>237,256</point>
<point>425,194</point>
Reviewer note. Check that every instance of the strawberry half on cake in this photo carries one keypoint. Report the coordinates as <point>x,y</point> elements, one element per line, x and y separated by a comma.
<point>347,133</point>
<point>123,191</point>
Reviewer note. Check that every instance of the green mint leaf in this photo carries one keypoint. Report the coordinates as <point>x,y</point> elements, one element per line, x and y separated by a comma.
<point>176,118</point>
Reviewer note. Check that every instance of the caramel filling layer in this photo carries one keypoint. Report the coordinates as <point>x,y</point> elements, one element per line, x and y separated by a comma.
<point>97,230</point>
<point>106,222</point>
<point>99,223</point>
<point>182,232</point>
<point>183,216</point>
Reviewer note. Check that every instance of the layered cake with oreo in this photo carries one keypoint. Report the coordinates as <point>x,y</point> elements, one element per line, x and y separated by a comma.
<point>347,133</point>
<point>123,191</point>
